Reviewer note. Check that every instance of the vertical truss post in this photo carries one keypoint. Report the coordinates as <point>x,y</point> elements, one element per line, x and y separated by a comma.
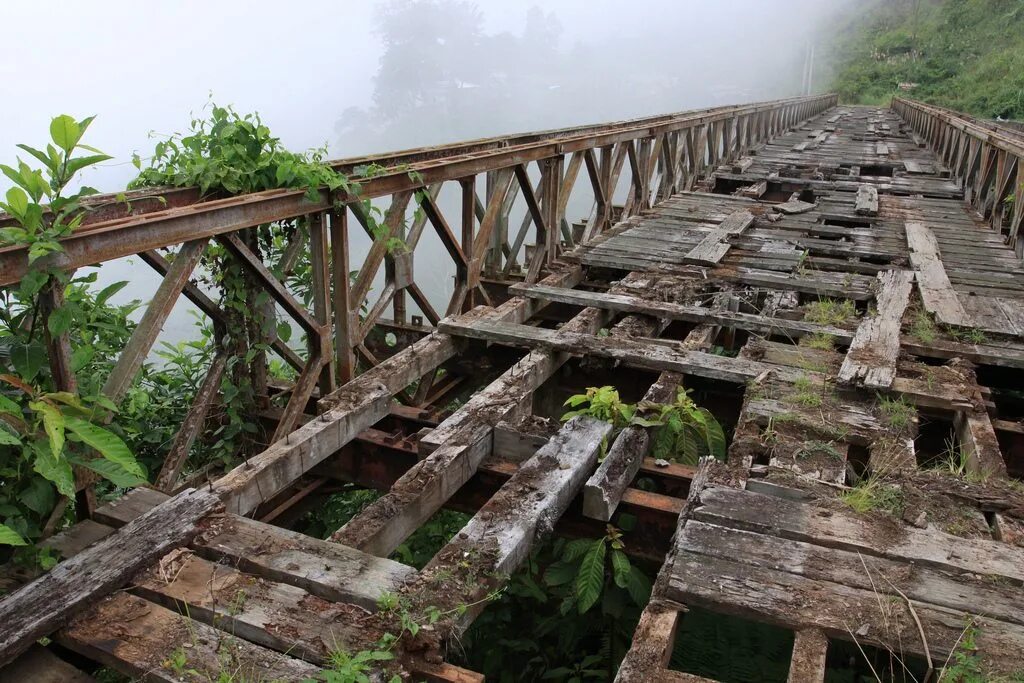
<point>468,226</point>
<point>343,316</point>
<point>321,298</point>
<point>551,170</point>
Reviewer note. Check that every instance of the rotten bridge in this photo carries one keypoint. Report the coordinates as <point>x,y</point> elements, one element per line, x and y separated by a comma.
<point>711,242</point>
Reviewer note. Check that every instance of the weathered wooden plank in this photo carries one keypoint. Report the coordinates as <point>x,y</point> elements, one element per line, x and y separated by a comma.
<point>715,244</point>
<point>866,202</point>
<point>351,409</point>
<point>652,644</point>
<point>872,356</point>
<point>138,637</point>
<point>787,519</point>
<point>527,506</point>
<point>936,291</point>
<point>979,443</point>
<point>275,615</point>
<point>623,303</point>
<point>327,570</point>
<point>604,489</point>
<point>43,605</point>
<point>951,589</point>
<point>810,650</point>
<point>797,602</point>
<point>634,352</point>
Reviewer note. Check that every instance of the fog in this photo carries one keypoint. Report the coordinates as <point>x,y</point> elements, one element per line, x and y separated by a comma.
<point>374,76</point>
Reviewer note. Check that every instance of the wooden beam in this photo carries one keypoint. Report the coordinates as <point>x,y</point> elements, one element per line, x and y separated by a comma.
<point>160,306</point>
<point>42,606</point>
<point>710,250</point>
<point>866,201</point>
<point>936,291</point>
<point>872,356</point>
<point>193,424</point>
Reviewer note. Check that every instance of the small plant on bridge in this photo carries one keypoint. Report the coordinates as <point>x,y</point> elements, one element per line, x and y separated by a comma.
<point>683,431</point>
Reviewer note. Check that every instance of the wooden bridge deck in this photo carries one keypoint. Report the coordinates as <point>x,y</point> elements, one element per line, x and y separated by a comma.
<point>731,288</point>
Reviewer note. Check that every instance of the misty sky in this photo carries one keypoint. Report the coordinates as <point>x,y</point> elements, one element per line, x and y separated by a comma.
<point>143,66</point>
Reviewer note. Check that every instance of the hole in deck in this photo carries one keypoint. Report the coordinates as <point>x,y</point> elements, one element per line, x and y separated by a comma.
<point>730,649</point>
<point>849,662</point>
<point>878,171</point>
<point>936,440</point>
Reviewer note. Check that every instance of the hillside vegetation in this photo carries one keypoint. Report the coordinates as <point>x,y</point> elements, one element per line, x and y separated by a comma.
<point>963,54</point>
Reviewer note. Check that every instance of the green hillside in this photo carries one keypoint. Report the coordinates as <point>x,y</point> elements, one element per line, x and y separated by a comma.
<point>963,54</point>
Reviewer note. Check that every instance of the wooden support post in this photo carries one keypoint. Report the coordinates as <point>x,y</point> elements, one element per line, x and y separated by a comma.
<point>322,296</point>
<point>343,316</point>
<point>468,227</point>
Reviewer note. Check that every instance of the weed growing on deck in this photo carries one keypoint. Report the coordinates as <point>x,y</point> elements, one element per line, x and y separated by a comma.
<point>874,494</point>
<point>924,328</point>
<point>898,413</point>
<point>820,341</point>
<point>830,311</point>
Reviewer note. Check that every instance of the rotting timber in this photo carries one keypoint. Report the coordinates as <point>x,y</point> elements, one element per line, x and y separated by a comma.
<point>723,230</point>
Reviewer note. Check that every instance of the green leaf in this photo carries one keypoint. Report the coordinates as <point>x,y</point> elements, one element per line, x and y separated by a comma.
<point>53,423</point>
<point>559,573</point>
<point>7,438</point>
<point>10,407</point>
<point>109,291</point>
<point>620,568</point>
<point>81,357</point>
<point>590,580</point>
<point>638,586</point>
<point>109,445</point>
<point>284,331</point>
<point>37,496</point>
<point>17,201</point>
<point>60,320</point>
<point>576,549</point>
<point>57,470</point>
<point>9,536</point>
<point>65,132</point>
<point>114,473</point>
<point>49,162</point>
<point>77,164</point>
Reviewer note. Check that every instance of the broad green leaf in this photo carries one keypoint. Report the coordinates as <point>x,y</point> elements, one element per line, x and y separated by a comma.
<point>65,132</point>
<point>37,496</point>
<point>559,573</point>
<point>49,162</point>
<point>10,407</point>
<point>114,473</point>
<point>13,235</point>
<point>590,580</point>
<point>110,290</point>
<point>576,549</point>
<point>33,282</point>
<point>17,200</point>
<point>76,165</point>
<point>57,470</point>
<point>284,331</point>
<point>60,320</point>
<point>81,356</point>
<point>109,445</point>
<point>9,536</point>
<point>53,423</point>
<point>620,568</point>
<point>7,438</point>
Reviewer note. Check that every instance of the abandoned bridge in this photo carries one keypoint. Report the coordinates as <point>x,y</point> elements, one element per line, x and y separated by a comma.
<point>799,265</point>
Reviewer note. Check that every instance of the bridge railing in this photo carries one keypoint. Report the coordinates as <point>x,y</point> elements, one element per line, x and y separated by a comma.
<point>985,158</point>
<point>628,166</point>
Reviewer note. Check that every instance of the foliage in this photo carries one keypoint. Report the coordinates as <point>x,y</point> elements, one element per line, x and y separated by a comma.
<point>46,426</point>
<point>830,311</point>
<point>602,403</point>
<point>963,54</point>
<point>874,494</point>
<point>819,341</point>
<point>353,668</point>
<point>683,431</point>
<point>897,411</point>
<point>924,328</point>
<point>568,614</point>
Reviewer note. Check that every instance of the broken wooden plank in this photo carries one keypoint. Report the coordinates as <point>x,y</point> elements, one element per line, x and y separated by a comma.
<point>936,291</point>
<point>754,191</point>
<point>328,570</point>
<point>604,489</point>
<point>40,607</point>
<point>652,644</point>
<point>871,359</point>
<point>622,303</point>
<point>979,444</point>
<point>352,408</point>
<point>866,202</point>
<point>139,638</point>
<point>715,244</point>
